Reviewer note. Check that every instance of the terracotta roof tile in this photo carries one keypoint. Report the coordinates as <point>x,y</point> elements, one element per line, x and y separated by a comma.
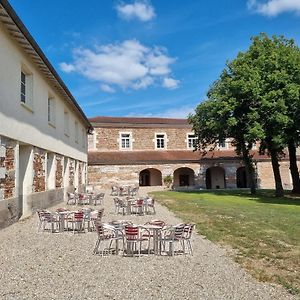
<point>102,119</point>
<point>141,157</point>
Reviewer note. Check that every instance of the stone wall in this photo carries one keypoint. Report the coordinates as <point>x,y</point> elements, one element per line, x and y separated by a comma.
<point>7,168</point>
<point>39,179</point>
<point>59,171</point>
<point>266,177</point>
<point>80,174</point>
<point>107,139</point>
<point>71,171</point>
<point>106,176</point>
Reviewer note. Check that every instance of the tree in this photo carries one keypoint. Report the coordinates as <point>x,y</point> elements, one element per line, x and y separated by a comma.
<point>230,111</point>
<point>255,99</point>
<point>277,61</point>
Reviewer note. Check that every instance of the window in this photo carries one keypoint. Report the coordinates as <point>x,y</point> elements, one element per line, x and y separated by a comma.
<point>192,141</point>
<point>160,141</point>
<point>66,124</point>
<point>23,87</point>
<point>26,89</point>
<point>76,132</point>
<point>222,144</point>
<point>125,141</point>
<point>51,111</point>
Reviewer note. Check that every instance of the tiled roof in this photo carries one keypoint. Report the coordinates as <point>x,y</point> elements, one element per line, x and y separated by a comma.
<point>117,120</point>
<point>144,157</point>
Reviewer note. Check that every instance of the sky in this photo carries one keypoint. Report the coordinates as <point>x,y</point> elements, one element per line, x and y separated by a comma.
<point>147,58</point>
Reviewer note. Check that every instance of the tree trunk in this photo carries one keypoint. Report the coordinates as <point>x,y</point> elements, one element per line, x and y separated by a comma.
<point>276,172</point>
<point>293,167</point>
<point>250,170</point>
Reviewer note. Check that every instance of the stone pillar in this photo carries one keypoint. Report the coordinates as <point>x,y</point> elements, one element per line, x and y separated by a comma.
<point>39,170</point>
<point>230,176</point>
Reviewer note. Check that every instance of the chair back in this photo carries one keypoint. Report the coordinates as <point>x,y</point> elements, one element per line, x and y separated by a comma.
<point>99,228</point>
<point>179,230</point>
<point>131,232</point>
<point>188,230</point>
<point>70,196</point>
<point>139,202</point>
<point>100,214</point>
<point>78,215</point>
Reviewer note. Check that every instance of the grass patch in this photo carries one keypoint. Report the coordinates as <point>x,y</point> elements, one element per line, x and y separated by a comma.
<point>264,230</point>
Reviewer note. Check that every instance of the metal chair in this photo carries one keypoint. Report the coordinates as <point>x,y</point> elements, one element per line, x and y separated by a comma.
<point>47,219</point>
<point>77,221</point>
<point>134,238</point>
<point>187,236</point>
<point>171,235</point>
<point>109,234</point>
<point>71,198</point>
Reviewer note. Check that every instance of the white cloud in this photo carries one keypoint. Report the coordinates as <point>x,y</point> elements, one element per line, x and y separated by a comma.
<point>170,83</point>
<point>67,68</point>
<point>180,112</point>
<point>274,7</point>
<point>127,65</point>
<point>107,88</point>
<point>141,10</point>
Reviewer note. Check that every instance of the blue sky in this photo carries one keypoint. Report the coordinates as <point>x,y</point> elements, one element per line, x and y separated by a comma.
<point>149,58</point>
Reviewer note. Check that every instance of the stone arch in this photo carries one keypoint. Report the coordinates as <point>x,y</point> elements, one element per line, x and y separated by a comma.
<point>183,177</point>
<point>242,179</point>
<point>215,178</point>
<point>150,177</point>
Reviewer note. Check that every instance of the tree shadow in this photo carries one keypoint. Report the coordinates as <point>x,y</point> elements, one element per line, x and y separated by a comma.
<point>262,196</point>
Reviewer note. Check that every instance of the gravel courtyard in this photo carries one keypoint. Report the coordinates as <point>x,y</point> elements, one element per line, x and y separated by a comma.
<point>62,266</point>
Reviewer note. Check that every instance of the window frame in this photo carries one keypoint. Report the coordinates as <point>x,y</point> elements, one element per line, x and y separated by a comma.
<point>156,139</point>
<point>188,139</point>
<point>220,145</point>
<point>66,123</point>
<point>26,93</point>
<point>51,111</point>
<point>130,140</point>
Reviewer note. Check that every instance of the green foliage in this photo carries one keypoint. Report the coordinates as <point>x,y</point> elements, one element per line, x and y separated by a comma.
<point>255,99</point>
<point>168,180</point>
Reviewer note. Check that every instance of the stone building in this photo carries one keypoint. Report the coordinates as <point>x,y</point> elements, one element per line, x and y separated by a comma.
<point>43,131</point>
<point>143,151</point>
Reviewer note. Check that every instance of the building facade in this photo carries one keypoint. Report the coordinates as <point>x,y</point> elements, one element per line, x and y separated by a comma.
<point>144,151</point>
<point>43,131</point>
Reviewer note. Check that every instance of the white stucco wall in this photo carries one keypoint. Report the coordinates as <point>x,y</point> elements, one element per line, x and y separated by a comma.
<point>32,127</point>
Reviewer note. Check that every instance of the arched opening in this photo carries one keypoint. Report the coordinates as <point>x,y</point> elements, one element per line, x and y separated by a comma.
<point>215,178</point>
<point>150,177</point>
<point>183,177</point>
<point>242,180</point>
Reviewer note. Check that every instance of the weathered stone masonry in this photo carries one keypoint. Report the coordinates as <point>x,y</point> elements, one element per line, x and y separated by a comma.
<point>7,168</point>
<point>59,172</point>
<point>39,179</point>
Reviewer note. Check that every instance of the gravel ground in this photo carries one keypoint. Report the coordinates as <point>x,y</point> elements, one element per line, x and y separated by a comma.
<point>61,266</point>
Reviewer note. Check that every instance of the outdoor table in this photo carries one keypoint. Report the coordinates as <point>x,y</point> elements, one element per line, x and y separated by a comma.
<point>62,218</point>
<point>118,230</point>
<point>156,230</point>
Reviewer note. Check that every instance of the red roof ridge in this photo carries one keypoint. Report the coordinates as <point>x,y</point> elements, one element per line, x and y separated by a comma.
<point>138,120</point>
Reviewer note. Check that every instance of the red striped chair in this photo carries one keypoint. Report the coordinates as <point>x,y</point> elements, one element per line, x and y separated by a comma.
<point>107,234</point>
<point>77,221</point>
<point>134,239</point>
